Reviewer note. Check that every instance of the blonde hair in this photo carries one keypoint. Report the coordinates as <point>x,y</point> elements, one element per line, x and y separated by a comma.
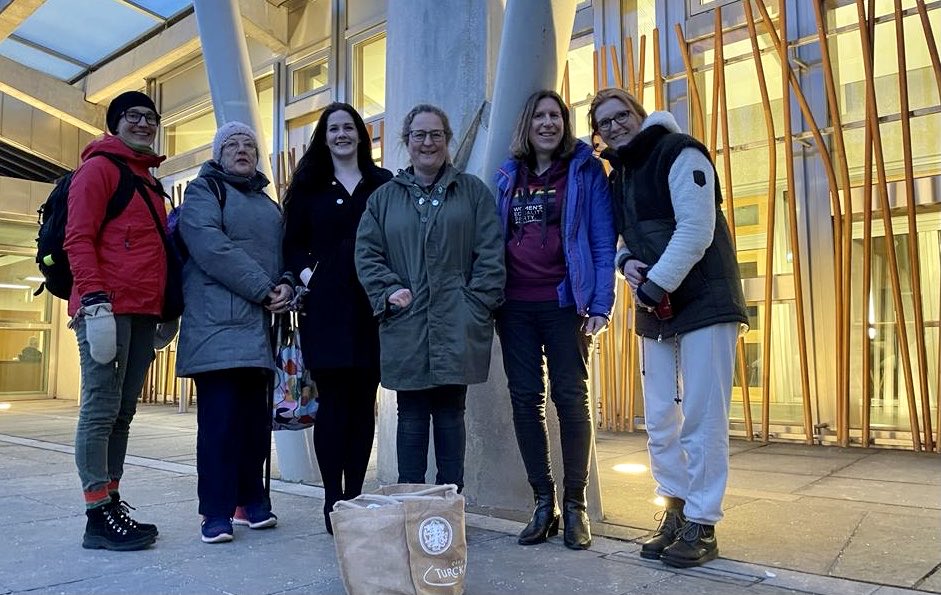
<point>613,93</point>
<point>521,148</point>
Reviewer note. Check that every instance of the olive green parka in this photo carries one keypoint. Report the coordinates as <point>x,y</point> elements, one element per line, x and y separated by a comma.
<point>444,244</point>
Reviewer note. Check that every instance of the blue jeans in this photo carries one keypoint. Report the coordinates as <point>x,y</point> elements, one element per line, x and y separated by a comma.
<point>109,400</point>
<point>233,439</point>
<point>529,330</point>
<point>444,405</point>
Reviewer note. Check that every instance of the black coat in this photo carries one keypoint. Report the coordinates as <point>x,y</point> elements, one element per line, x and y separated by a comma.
<point>337,327</point>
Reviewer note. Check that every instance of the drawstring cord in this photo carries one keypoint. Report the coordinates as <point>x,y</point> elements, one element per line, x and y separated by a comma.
<point>676,364</point>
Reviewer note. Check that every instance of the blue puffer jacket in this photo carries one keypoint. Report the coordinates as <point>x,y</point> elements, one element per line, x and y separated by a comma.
<point>587,232</point>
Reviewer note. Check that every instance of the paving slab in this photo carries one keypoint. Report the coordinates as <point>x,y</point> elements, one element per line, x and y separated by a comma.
<point>932,582</point>
<point>907,467</point>
<point>688,585</point>
<point>865,490</point>
<point>787,534</point>
<point>761,460</point>
<point>770,481</point>
<point>890,550</point>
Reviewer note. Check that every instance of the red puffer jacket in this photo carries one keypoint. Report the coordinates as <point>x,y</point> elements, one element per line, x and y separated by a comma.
<point>126,259</point>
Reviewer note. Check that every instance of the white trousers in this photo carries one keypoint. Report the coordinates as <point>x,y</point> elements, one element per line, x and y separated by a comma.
<point>688,441</point>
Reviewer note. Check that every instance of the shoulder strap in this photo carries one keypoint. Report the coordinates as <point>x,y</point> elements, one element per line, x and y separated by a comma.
<point>217,187</point>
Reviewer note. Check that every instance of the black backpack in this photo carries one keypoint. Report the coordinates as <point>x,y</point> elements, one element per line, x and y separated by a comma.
<point>217,187</point>
<point>53,214</point>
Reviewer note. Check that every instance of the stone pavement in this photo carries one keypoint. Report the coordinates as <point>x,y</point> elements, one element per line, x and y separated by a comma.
<point>41,519</point>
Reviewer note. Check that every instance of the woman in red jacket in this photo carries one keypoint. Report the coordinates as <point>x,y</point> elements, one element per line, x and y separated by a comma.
<point>119,271</point>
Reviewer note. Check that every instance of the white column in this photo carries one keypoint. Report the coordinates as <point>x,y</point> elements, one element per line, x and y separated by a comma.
<point>231,83</point>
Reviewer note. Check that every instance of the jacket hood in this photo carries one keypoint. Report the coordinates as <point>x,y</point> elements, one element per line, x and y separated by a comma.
<point>406,177</point>
<point>113,145</point>
<point>212,169</point>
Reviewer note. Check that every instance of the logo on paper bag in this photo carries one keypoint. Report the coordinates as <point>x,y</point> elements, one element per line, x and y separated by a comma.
<point>446,576</point>
<point>435,535</point>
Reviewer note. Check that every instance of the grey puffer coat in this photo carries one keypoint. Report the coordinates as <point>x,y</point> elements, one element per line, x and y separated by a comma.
<point>445,245</point>
<point>235,260</point>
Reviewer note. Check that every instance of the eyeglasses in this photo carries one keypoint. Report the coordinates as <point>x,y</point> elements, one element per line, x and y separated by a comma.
<point>419,136</point>
<point>620,117</point>
<point>234,145</point>
<point>135,118</point>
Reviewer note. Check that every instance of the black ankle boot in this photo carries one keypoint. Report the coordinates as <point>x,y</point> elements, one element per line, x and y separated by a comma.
<point>671,521</point>
<point>577,535</point>
<point>695,545</point>
<point>106,529</point>
<point>123,509</point>
<point>545,521</point>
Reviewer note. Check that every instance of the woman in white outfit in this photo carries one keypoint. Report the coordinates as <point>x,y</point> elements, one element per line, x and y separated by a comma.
<point>676,254</point>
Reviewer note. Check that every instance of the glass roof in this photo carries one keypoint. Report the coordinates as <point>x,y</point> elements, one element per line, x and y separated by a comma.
<point>64,38</point>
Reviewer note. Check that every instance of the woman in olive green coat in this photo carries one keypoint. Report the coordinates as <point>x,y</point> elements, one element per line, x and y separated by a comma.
<point>429,253</point>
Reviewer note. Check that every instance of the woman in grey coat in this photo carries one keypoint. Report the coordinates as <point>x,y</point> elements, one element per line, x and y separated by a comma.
<point>232,281</point>
<point>429,254</point>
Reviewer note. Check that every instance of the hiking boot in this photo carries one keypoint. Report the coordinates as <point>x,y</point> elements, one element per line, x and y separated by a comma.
<point>254,516</point>
<point>106,529</point>
<point>122,509</point>
<point>216,529</point>
<point>671,521</point>
<point>695,545</point>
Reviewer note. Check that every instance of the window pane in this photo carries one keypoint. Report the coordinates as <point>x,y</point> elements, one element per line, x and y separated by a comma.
<point>190,134</point>
<point>23,359</point>
<point>265,89</point>
<point>581,87</point>
<point>38,60</point>
<point>310,77</point>
<point>369,81</point>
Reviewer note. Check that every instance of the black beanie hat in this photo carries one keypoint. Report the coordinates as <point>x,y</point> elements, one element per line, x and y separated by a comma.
<point>124,102</point>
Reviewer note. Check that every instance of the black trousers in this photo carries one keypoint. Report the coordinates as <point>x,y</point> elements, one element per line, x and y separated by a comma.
<point>444,405</point>
<point>232,439</point>
<point>528,331</point>
<point>343,434</point>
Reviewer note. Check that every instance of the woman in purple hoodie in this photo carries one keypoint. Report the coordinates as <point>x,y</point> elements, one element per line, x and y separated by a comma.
<point>560,244</point>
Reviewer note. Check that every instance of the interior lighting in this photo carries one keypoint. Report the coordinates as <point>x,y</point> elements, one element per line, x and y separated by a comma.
<point>630,468</point>
<point>34,279</point>
<point>5,406</point>
<point>14,286</point>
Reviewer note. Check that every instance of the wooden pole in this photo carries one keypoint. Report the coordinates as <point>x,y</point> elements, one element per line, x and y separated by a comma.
<point>615,66</point>
<point>935,66</point>
<point>730,210</point>
<point>629,65</point>
<point>566,92</point>
<point>914,262</point>
<point>594,70</point>
<point>714,118</point>
<point>641,64</point>
<point>843,236</point>
<point>792,219</point>
<point>769,231</point>
<point>887,223</point>
<point>659,103</point>
<point>695,107</point>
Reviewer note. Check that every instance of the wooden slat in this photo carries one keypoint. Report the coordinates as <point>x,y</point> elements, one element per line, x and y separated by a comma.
<point>629,65</point>
<point>714,118</point>
<point>695,107</point>
<point>914,266</point>
<point>615,66</point>
<point>657,72</point>
<point>792,219</point>
<point>936,67</point>
<point>641,65</point>
<point>594,70</point>
<point>822,148</point>
<point>729,196</point>
<point>843,236</point>
<point>769,228</point>
<point>566,89</point>
<point>887,223</point>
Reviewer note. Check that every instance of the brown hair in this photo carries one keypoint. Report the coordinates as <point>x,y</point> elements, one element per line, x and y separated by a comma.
<point>521,148</point>
<point>613,93</point>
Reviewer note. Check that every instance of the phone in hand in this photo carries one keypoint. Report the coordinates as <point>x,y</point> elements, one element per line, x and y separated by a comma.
<point>664,310</point>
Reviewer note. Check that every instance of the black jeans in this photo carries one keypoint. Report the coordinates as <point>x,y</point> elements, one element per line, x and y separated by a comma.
<point>444,405</point>
<point>343,435</point>
<point>529,330</point>
<point>232,439</point>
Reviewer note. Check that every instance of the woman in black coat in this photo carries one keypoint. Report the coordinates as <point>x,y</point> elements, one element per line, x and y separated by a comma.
<point>339,336</point>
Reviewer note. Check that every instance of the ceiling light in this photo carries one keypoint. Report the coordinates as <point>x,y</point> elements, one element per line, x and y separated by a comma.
<point>13,286</point>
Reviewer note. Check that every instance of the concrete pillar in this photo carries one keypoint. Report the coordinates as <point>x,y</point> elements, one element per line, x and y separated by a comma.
<point>231,83</point>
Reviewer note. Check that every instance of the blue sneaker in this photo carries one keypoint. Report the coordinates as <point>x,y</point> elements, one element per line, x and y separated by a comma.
<point>255,516</point>
<point>216,529</point>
